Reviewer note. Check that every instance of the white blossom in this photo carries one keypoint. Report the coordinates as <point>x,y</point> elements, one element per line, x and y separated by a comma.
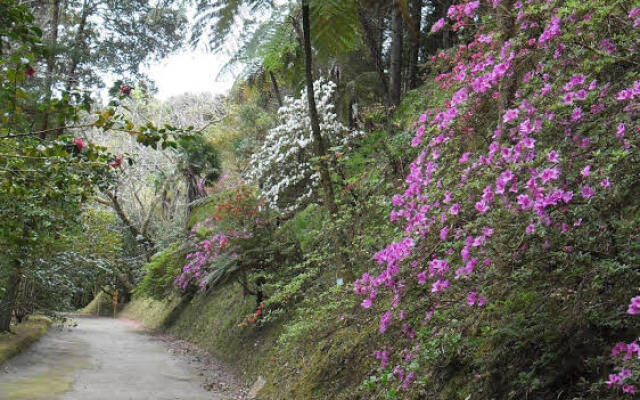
<point>282,166</point>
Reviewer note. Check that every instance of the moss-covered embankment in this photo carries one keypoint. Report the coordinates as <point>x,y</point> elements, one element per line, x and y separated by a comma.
<point>22,336</point>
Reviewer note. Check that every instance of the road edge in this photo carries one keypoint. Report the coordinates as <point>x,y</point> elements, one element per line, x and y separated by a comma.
<point>22,337</point>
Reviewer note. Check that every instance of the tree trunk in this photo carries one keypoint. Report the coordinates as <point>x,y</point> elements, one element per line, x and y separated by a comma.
<point>397,46</point>
<point>77,44</point>
<point>318,140</point>
<point>370,38</point>
<point>54,15</point>
<point>276,89</point>
<point>442,12</point>
<point>8,302</point>
<point>138,234</point>
<point>414,51</point>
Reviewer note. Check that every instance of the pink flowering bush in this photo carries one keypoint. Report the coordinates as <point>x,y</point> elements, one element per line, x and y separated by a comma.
<point>513,207</point>
<point>225,242</point>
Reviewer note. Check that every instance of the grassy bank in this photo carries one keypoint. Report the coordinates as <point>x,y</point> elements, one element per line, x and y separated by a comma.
<point>22,336</point>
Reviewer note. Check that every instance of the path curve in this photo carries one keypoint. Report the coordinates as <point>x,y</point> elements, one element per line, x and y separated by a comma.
<point>101,359</point>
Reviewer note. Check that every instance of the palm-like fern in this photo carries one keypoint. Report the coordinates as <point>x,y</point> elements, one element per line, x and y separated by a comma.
<point>267,38</point>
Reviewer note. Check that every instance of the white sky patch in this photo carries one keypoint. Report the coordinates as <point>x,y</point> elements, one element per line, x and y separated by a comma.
<point>190,71</point>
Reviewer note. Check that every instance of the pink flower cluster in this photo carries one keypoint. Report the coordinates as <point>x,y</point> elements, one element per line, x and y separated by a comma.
<point>617,380</point>
<point>205,251</point>
<point>449,227</point>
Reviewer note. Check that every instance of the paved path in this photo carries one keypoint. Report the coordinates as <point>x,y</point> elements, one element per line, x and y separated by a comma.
<point>100,359</point>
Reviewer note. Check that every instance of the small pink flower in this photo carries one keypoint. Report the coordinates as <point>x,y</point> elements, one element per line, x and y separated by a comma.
<point>482,207</point>
<point>549,174</point>
<point>455,209</point>
<point>634,306</point>
<point>439,286</point>
<point>438,25</point>
<point>531,228</point>
<point>366,303</point>
<point>79,143</point>
<point>587,192</point>
<point>576,115</point>
<point>510,115</point>
<point>586,171</point>
<point>605,183</point>
<point>608,46</point>
<point>444,232</point>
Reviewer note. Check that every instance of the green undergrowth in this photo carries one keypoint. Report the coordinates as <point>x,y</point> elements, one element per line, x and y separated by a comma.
<point>161,271</point>
<point>101,305</point>
<point>150,312</point>
<point>22,336</point>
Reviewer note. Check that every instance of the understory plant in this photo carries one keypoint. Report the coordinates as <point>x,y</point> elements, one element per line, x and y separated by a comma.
<point>283,167</point>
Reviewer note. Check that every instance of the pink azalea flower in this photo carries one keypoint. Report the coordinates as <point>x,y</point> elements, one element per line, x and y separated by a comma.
<point>366,303</point>
<point>528,142</point>
<point>470,7</point>
<point>524,201</point>
<point>531,228</point>
<point>576,115</point>
<point>549,174</point>
<point>586,171</point>
<point>455,209</point>
<point>460,96</point>
<point>443,233</point>
<point>634,306</point>
<point>581,94</point>
<point>472,298</point>
<point>587,192</point>
<point>438,25</point>
<point>553,157</point>
<point>482,207</point>
<point>608,46</point>
<point>526,128</point>
<point>510,115</point>
<point>605,183</point>
<point>385,321</point>
<point>568,98</point>
<point>439,286</point>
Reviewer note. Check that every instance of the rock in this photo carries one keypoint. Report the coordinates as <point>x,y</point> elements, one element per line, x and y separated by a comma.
<point>256,388</point>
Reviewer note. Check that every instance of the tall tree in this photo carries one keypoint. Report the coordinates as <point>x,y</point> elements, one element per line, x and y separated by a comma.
<point>54,18</point>
<point>397,51</point>
<point>319,142</point>
<point>415,30</point>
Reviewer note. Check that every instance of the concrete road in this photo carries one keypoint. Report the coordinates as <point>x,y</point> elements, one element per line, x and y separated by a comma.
<point>100,359</point>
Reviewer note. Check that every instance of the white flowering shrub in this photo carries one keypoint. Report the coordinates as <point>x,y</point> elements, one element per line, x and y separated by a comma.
<point>282,166</point>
